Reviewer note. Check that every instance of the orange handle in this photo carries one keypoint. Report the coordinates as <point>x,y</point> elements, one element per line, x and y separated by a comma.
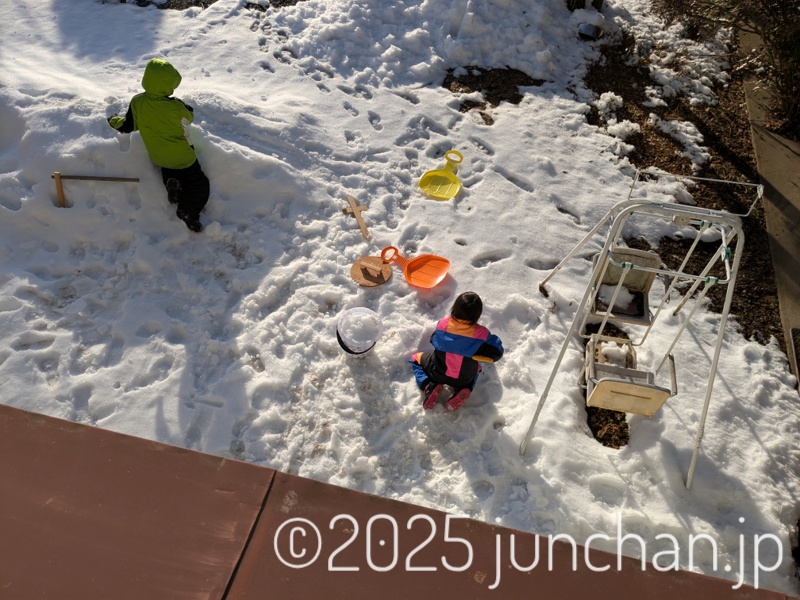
<point>389,254</point>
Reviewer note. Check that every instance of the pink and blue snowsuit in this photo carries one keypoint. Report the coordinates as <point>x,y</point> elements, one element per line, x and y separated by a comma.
<point>455,343</point>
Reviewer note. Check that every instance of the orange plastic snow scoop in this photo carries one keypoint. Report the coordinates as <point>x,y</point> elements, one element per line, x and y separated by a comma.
<point>443,184</point>
<point>424,271</point>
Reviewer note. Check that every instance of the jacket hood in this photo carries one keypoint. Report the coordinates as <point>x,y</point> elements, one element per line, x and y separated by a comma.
<point>160,78</point>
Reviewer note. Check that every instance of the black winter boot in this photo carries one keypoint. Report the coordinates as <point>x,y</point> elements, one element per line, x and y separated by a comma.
<point>192,222</point>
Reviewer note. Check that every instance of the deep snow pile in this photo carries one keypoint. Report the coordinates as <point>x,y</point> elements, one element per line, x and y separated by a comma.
<point>114,314</point>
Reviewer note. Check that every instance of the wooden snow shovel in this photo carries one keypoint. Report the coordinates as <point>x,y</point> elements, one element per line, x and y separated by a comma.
<point>443,184</point>
<point>424,271</point>
<point>62,200</point>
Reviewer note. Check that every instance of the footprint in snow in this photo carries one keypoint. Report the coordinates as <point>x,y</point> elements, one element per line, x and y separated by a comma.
<point>482,146</point>
<point>375,121</point>
<point>541,264</point>
<point>358,91</point>
<point>487,258</point>
<point>32,340</point>
<point>47,362</point>
<point>564,211</point>
<point>419,128</point>
<point>408,97</point>
<point>351,109</point>
<point>284,55</point>
<point>352,137</point>
<point>158,371</point>
<point>11,203</point>
<point>515,179</point>
<point>607,490</point>
<point>115,350</point>
<point>80,399</point>
<point>483,489</point>
<point>317,71</point>
<point>194,433</point>
<point>413,234</point>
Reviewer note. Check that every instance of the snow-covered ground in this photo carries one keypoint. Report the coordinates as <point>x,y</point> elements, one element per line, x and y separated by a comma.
<point>114,314</point>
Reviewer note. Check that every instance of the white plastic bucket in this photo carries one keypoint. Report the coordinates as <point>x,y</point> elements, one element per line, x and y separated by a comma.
<point>357,330</point>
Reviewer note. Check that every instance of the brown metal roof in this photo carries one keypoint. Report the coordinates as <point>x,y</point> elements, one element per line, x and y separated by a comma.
<point>91,514</point>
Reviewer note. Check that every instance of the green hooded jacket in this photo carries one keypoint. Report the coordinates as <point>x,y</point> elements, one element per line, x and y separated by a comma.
<point>158,117</point>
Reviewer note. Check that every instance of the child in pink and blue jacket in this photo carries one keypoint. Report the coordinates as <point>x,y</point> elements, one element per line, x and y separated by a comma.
<point>460,345</point>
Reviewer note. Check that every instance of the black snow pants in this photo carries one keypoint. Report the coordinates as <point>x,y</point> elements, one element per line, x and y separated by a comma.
<point>194,188</point>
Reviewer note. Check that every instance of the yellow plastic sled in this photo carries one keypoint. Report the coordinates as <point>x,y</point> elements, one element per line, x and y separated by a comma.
<point>443,184</point>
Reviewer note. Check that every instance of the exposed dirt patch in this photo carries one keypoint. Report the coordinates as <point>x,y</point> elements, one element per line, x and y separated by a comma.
<point>619,71</point>
<point>169,4</point>
<point>184,4</point>
<point>608,427</point>
<point>273,4</point>
<point>495,85</point>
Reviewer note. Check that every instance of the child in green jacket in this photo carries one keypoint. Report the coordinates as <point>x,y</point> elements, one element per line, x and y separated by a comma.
<point>159,118</point>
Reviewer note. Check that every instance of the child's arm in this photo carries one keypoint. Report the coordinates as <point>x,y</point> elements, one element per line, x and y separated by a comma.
<point>124,124</point>
<point>189,114</point>
<point>490,351</point>
<point>188,107</point>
